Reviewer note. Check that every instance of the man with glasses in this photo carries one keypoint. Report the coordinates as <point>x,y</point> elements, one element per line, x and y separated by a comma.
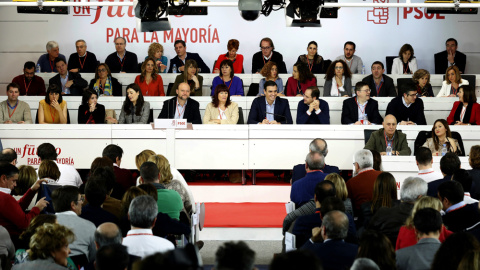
<point>389,135</point>
<point>380,84</point>
<point>67,202</point>
<point>265,55</point>
<point>361,109</point>
<point>122,60</point>
<point>82,60</point>
<point>312,110</point>
<point>29,83</point>
<point>182,56</point>
<point>354,62</point>
<point>407,109</point>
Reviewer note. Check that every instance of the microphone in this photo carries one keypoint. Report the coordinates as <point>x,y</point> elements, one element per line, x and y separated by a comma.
<point>286,121</point>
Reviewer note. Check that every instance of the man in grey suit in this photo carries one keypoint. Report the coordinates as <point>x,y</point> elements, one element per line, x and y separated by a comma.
<point>427,223</point>
<point>67,203</point>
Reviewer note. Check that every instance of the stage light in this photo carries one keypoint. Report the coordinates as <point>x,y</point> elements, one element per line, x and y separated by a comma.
<point>250,9</point>
<point>152,15</point>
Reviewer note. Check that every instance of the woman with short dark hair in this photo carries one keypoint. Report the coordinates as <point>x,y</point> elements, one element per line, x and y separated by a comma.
<point>221,110</point>
<point>90,112</point>
<point>227,77</point>
<point>421,78</point>
<point>52,109</point>
<point>465,111</point>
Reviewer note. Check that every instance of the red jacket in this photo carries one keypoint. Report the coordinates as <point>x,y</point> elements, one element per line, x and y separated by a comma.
<point>360,187</point>
<point>292,86</point>
<point>237,65</point>
<point>154,88</point>
<point>474,115</point>
<point>12,215</point>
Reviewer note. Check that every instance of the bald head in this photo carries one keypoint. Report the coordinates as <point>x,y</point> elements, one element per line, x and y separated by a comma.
<point>106,234</point>
<point>320,146</point>
<point>390,124</point>
<point>183,91</point>
<point>9,155</point>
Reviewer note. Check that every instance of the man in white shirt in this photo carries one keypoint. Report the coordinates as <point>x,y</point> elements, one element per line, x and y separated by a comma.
<point>354,62</point>
<point>140,240</point>
<point>423,156</point>
<point>68,174</point>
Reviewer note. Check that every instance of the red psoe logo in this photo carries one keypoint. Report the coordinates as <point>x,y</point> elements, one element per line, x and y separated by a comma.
<point>378,15</point>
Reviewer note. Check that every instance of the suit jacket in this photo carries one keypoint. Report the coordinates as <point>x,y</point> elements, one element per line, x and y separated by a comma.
<point>475,190</point>
<point>462,219</point>
<point>299,171</point>
<point>78,83</point>
<point>190,56</point>
<point>472,113</point>
<point>303,189</point>
<point>377,142</point>
<point>130,63</point>
<point>89,62</point>
<point>334,254</point>
<point>419,256</point>
<point>133,118</point>
<point>389,220</point>
<point>258,111</point>
<point>258,61</point>
<point>322,118</point>
<point>433,186</point>
<point>414,113</point>
<point>387,89</point>
<point>231,112</point>
<point>192,110</point>
<point>397,66</point>
<point>327,87</point>
<point>350,111</point>
<point>441,62</point>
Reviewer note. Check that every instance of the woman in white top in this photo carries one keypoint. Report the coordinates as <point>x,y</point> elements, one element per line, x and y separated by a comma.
<point>221,110</point>
<point>338,80</point>
<point>405,63</point>
<point>452,82</point>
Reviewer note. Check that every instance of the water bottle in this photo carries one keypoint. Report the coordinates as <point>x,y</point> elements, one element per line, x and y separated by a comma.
<point>363,69</point>
<point>444,149</point>
<point>38,69</point>
<point>389,149</point>
<point>365,119</point>
<point>174,69</point>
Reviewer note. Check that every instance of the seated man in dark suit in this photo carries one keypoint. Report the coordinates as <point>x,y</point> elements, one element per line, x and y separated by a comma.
<point>427,223</point>
<point>270,109</point>
<point>122,61</point>
<point>312,109</point>
<point>122,176</point>
<point>333,252</point>
<point>82,60</point>
<point>320,146</point>
<point>181,106</point>
<point>389,220</point>
<point>449,164</point>
<point>355,109</point>
<point>182,56</point>
<point>71,83</point>
<point>450,57</point>
<point>303,189</point>
<point>265,55</point>
<point>407,109</point>
<point>389,135</point>
<point>459,216</point>
<point>380,84</point>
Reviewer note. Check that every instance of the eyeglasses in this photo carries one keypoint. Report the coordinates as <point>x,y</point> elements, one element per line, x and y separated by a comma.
<point>82,199</point>
<point>367,90</point>
<point>119,44</point>
<point>266,48</point>
<point>338,67</point>
<point>102,70</point>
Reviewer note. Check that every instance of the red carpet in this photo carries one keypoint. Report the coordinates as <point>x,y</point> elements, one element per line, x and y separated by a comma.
<point>246,215</point>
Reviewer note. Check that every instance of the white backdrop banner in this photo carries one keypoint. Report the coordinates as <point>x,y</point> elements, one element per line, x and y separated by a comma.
<point>378,32</point>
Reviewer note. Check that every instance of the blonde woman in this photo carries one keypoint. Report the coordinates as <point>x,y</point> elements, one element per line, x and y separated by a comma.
<point>406,235</point>
<point>155,51</point>
<point>341,190</point>
<point>166,179</point>
<point>27,176</point>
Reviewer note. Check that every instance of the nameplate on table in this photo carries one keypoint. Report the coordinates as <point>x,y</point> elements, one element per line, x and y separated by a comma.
<point>170,123</point>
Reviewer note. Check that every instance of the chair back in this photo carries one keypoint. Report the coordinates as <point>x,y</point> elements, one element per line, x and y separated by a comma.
<point>367,133</point>
<point>241,120</point>
<point>389,63</point>
<point>253,90</point>
<point>400,82</point>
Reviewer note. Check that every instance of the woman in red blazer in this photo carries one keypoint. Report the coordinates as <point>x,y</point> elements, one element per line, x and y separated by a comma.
<point>466,111</point>
<point>301,79</point>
